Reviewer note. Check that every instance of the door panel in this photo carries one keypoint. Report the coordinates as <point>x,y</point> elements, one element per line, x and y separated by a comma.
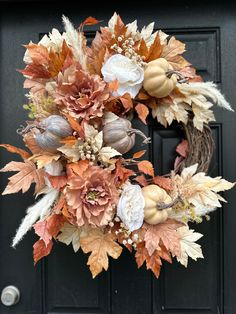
<point>62,282</point>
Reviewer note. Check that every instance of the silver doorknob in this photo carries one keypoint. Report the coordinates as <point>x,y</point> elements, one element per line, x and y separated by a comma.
<point>10,295</point>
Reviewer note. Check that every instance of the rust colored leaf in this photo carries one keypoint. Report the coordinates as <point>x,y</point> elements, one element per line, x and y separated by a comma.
<point>142,112</point>
<point>141,180</point>
<point>12,149</point>
<point>155,50</point>
<point>146,167</point>
<point>113,86</point>
<point>38,53</point>
<point>57,182</point>
<point>165,183</point>
<point>153,261</point>
<point>75,125</point>
<point>54,224</point>
<point>139,154</point>
<point>27,174</point>
<point>126,101</point>
<point>36,71</point>
<point>77,168</point>
<point>41,250</point>
<point>182,148</point>
<point>89,21</point>
<point>122,173</point>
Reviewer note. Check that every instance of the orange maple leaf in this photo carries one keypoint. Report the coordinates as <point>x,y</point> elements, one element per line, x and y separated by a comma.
<point>100,245</point>
<point>89,21</point>
<point>142,112</point>
<point>165,233</point>
<point>28,173</point>
<point>153,261</point>
<point>165,183</point>
<point>139,154</point>
<point>41,250</point>
<point>12,149</point>
<point>146,167</point>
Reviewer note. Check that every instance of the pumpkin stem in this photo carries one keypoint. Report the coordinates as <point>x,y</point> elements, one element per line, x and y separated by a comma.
<point>162,206</point>
<point>138,132</point>
<point>181,79</point>
<point>22,130</point>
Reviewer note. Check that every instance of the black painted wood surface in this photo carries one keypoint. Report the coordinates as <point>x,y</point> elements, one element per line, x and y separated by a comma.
<point>62,283</point>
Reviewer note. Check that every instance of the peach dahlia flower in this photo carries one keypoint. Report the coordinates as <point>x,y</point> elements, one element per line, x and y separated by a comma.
<point>92,197</point>
<point>79,93</point>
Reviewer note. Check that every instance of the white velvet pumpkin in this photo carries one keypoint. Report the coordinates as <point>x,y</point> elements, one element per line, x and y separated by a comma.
<point>55,128</point>
<point>120,135</point>
<point>158,80</point>
<point>154,195</point>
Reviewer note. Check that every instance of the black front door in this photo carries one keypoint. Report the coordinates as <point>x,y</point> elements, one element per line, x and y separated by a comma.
<point>62,282</point>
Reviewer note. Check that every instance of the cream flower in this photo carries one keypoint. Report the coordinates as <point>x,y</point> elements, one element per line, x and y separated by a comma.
<point>128,74</point>
<point>130,207</point>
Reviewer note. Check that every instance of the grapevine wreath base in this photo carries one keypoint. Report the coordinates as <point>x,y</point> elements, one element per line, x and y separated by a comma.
<point>88,192</point>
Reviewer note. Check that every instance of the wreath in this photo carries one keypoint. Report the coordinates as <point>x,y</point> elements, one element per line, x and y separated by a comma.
<point>81,101</point>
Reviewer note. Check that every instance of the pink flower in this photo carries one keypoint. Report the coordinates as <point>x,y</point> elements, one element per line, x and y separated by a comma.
<point>81,94</point>
<point>92,197</point>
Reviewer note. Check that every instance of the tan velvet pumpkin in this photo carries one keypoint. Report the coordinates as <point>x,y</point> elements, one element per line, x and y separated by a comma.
<point>159,80</point>
<point>153,196</point>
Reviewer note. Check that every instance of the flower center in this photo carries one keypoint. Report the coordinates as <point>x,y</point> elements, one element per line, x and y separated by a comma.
<point>91,195</point>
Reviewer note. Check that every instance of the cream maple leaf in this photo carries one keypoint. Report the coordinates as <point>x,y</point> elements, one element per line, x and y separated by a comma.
<point>100,245</point>
<point>199,189</point>
<point>70,234</point>
<point>188,247</point>
<point>94,138</point>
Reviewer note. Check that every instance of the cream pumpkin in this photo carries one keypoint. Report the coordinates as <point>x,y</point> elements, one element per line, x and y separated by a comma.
<point>159,80</point>
<point>154,196</point>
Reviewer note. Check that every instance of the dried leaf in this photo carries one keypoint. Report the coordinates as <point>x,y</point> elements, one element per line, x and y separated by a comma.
<point>12,149</point>
<point>57,182</point>
<point>146,167</point>
<point>27,174</point>
<point>89,21</point>
<point>141,180</point>
<point>153,261</point>
<point>42,231</point>
<point>182,148</point>
<point>165,183</point>
<point>142,112</point>
<point>188,246</point>
<point>127,101</point>
<point>77,168</point>
<point>199,189</point>
<point>70,234</point>
<point>165,233</point>
<point>106,153</point>
<point>49,228</point>
<point>139,154</point>
<point>100,245</point>
<point>41,250</point>
<point>172,49</point>
<point>44,159</point>
<point>122,173</point>
<point>75,125</point>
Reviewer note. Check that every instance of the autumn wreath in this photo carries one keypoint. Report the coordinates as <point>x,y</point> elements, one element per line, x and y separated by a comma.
<point>81,99</point>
